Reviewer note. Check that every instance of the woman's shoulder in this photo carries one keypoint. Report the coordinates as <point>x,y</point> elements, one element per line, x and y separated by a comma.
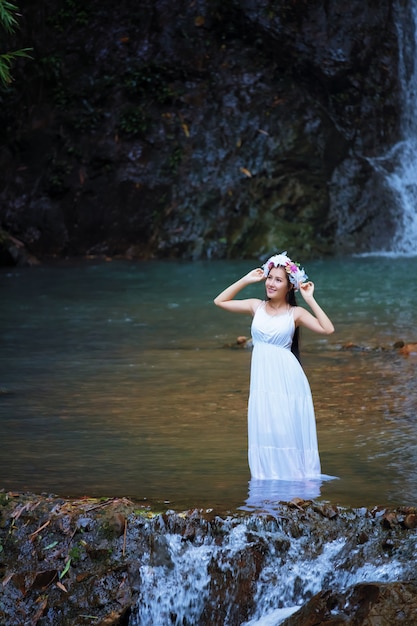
<point>256,303</point>
<point>300,315</point>
<point>296,311</point>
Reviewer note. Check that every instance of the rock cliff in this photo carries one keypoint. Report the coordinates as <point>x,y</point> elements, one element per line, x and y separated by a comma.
<point>204,129</point>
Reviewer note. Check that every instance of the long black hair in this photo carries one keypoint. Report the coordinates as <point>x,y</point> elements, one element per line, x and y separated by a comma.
<point>292,301</point>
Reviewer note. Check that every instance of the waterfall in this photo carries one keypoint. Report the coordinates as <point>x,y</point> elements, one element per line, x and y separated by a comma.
<point>398,166</point>
<point>256,571</point>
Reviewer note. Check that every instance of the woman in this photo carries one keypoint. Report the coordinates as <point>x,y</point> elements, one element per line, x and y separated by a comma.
<point>281,423</point>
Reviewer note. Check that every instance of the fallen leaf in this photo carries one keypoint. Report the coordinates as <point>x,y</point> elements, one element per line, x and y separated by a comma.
<point>7,578</point>
<point>66,568</point>
<point>39,612</point>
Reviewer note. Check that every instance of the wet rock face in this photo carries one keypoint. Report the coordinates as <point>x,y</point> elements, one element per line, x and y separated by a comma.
<point>368,603</point>
<point>205,129</point>
<point>118,562</point>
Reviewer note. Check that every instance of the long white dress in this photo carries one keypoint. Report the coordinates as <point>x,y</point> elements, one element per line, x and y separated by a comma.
<point>282,436</point>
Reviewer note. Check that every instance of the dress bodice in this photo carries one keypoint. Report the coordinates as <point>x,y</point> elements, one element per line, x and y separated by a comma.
<point>277,330</point>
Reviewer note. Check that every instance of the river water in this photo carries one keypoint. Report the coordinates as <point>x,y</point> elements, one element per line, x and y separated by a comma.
<point>123,379</point>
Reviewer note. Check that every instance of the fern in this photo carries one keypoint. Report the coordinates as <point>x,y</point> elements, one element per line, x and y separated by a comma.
<point>9,23</point>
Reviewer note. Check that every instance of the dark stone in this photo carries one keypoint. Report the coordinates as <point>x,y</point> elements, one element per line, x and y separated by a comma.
<point>56,565</point>
<point>199,130</point>
<point>363,604</point>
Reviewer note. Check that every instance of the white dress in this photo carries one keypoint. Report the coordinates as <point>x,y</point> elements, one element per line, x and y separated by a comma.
<point>282,436</point>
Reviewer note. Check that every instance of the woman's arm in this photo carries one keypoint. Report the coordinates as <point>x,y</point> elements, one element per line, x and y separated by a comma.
<point>225,299</point>
<point>319,322</point>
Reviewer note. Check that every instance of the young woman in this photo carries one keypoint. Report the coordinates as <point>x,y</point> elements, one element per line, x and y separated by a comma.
<point>282,433</point>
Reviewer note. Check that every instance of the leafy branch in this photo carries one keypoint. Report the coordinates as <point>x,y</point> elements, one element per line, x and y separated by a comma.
<point>9,23</point>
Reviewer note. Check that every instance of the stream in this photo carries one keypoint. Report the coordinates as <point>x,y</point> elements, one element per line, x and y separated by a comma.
<point>123,379</point>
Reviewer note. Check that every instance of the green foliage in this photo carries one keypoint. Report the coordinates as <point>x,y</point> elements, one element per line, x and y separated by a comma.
<point>7,19</point>
<point>88,119</point>
<point>9,23</point>
<point>6,61</point>
<point>51,67</point>
<point>73,12</point>
<point>151,84</point>
<point>76,552</point>
<point>152,81</point>
<point>134,121</point>
<point>59,170</point>
<point>175,158</point>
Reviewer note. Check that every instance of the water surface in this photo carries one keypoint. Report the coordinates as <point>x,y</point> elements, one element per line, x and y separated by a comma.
<point>121,378</point>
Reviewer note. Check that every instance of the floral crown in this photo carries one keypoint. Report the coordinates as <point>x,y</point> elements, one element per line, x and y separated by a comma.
<point>296,275</point>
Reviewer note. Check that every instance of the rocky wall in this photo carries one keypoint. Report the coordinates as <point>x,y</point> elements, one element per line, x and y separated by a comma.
<point>199,129</point>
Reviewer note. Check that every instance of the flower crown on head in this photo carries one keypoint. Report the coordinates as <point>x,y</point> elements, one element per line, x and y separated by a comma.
<point>296,274</point>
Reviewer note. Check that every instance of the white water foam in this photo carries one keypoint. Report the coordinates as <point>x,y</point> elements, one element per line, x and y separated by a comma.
<point>312,576</point>
<point>179,589</point>
<point>274,618</point>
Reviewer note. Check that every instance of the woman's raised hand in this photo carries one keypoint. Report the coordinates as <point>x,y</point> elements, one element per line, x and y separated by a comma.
<point>226,300</point>
<point>255,276</point>
<point>307,290</point>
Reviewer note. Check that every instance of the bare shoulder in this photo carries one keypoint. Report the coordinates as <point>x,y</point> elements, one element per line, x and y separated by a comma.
<point>255,304</point>
<point>299,313</point>
<point>296,311</point>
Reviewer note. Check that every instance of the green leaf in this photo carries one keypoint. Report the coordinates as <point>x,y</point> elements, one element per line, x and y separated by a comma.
<point>7,19</point>
<point>65,570</point>
<point>9,23</point>
<point>6,62</point>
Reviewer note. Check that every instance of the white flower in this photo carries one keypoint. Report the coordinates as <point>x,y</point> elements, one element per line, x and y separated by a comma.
<point>296,275</point>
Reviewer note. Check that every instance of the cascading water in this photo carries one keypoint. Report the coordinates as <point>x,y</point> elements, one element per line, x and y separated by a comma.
<point>257,570</point>
<point>398,166</point>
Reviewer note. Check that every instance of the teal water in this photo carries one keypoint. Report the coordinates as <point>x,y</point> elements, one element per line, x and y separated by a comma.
<point>123,379</point>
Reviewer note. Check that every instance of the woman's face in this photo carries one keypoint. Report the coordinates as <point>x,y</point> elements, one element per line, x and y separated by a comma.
<point>277,284</point>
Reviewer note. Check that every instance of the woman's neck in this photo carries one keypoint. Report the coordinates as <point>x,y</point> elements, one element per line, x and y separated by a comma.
<point>276,306</point>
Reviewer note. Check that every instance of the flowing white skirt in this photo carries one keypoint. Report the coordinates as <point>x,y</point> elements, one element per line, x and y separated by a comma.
<point>282,436</point>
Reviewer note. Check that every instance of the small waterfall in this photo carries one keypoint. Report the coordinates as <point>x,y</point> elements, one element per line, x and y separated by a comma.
<point>176,583</point>
<point>256,571</point>
<point>398,167</point>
